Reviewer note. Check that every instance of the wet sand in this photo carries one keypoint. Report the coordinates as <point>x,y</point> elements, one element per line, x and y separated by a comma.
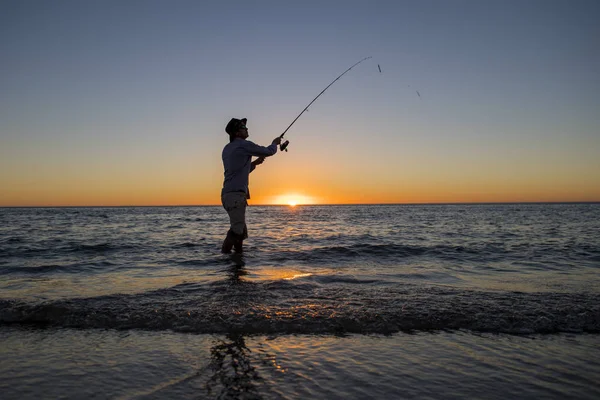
<point>75,364</point>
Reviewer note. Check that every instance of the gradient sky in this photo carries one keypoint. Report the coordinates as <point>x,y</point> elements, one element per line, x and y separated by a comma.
<point>125,102</point>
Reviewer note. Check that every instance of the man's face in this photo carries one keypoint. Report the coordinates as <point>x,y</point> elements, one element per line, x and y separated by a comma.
<point>242,132</point>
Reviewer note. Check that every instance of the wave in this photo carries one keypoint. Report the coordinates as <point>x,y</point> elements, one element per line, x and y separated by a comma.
<point>480,253</point>
<point>96,248</point>
<point>39,269</point>
<point>12,240</point>
<point>282,308</point>
<point>383,251</point>
<point>184,245</point>
<point>36,249</point>
<point>206,262</point>
<point>100,266</point>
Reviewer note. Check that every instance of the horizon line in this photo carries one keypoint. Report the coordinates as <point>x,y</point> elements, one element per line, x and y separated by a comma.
<point>312,205</point>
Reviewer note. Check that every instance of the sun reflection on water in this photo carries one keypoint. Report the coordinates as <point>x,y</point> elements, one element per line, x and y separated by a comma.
<point>276,274</point>
<point>297,276</point>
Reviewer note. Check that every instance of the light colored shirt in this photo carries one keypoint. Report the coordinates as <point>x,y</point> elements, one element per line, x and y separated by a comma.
<point>237,161</point>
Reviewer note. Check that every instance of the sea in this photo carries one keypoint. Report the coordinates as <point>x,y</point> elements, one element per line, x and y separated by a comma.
<point>437,301</point>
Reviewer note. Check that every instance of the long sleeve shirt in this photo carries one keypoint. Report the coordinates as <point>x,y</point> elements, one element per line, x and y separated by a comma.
<point>237,161</point>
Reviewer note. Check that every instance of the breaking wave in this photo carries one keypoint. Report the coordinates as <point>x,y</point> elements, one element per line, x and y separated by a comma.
<point>283,308</point>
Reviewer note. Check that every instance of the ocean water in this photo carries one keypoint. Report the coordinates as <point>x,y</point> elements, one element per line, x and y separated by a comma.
<point>381,301</point>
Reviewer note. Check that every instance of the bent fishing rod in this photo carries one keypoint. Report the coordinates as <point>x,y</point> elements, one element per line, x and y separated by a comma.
<point>283,146</point>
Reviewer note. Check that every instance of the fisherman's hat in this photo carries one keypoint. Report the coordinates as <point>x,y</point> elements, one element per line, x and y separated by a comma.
<point>235,124</point>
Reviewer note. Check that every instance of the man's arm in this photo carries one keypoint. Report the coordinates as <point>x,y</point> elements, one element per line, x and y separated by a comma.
<point>256,162</point>
<point>261,151</point>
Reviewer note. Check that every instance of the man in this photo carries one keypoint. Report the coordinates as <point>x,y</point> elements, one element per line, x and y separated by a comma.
<point>237,156</point>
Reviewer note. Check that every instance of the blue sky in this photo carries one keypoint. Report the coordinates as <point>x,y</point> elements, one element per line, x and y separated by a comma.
<point>130,98</point>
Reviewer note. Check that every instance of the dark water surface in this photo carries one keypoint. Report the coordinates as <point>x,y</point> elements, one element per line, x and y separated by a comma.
<point>136,364</point>
<point>475,272</point>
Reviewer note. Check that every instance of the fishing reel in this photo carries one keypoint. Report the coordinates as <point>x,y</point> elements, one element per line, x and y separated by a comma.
<point>283,146</point>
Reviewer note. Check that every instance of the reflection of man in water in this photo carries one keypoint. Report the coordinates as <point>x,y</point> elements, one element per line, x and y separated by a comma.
<point>233,374</point>
<point>237,156</point>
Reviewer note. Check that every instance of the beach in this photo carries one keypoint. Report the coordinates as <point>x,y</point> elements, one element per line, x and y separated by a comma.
<point>153,365</point>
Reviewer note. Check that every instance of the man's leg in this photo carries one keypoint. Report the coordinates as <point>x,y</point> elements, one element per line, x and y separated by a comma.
<point>227,243</point>
<point>235,204</point>
<point>233,240</point>
<point>238,243</point>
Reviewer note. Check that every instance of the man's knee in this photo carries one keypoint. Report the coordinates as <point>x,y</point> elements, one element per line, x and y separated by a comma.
<point>238,234</point>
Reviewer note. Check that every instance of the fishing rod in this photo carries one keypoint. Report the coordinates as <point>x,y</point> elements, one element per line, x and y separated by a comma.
<point>283,146</point>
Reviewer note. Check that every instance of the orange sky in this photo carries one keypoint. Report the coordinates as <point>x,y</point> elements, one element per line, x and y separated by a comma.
<point>280,181</point>
<point>403,172</point>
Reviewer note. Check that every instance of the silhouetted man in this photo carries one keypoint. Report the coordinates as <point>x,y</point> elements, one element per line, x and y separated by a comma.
<point>237,160</point>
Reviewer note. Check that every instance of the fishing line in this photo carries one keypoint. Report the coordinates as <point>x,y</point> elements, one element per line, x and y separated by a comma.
<point>284,145</point>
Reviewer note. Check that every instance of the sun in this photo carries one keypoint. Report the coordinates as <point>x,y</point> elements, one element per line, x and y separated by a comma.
<point>293,199</point>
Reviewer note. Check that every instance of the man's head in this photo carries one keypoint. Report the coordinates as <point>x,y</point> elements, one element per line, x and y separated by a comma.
<point>237,128</point>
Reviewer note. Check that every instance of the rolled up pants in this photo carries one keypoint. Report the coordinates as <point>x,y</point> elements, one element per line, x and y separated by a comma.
<point>235,204</point>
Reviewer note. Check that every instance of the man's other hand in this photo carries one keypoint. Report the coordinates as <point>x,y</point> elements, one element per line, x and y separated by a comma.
<point>258,161</point>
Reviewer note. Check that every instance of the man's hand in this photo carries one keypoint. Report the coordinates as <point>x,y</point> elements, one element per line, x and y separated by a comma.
<point>258,161</point>
<point>277,140</point>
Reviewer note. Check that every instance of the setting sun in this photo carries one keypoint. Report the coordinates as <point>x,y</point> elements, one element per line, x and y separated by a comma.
<point>293,200</point>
